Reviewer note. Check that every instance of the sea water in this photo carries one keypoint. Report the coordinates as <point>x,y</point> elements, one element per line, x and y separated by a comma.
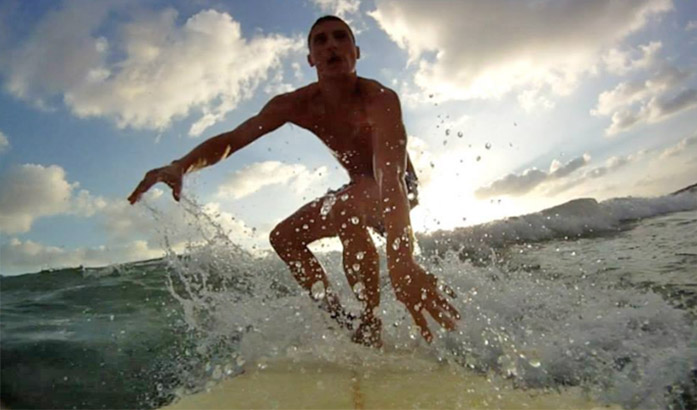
<point>597,295</point>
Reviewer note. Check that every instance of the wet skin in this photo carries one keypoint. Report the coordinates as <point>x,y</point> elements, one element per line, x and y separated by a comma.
<point>359,120</point>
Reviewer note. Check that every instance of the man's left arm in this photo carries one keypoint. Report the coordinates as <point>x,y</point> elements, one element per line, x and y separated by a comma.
<point>413,286</point>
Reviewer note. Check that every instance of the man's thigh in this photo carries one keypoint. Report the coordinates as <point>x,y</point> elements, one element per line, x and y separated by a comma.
<point>355,206</point>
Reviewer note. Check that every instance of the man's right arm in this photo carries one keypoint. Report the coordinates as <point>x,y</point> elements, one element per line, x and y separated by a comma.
<point>274,114</point>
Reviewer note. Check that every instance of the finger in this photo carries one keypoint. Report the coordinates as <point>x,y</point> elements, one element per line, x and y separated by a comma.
<point>446,306</point>
<point>177,191</point>
<point>449,291</point>
<point>441,316</point>
<point>421,323</point>
<point>443,312</point>
<point>138,192</point>
<point>133,198</point>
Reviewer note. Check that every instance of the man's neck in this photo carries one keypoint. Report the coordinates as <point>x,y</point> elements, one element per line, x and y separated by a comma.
<point>339,89</point>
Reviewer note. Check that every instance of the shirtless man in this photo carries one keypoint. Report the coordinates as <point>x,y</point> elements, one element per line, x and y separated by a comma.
<point>360,121</point>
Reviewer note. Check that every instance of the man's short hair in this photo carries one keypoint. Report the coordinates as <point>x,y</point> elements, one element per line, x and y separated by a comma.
<point>328,18</point>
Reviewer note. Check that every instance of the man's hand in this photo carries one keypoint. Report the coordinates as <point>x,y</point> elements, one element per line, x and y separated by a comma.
<point>171,175</point>
<point>418,290</point>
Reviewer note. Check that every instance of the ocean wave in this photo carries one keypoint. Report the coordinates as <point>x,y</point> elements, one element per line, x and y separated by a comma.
<point>571,220</point>
<point>625,345</point>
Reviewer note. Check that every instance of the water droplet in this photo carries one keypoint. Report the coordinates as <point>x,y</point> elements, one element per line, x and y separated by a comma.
<point>360,255</point>
<point>479,158</point>
<point>459,134</point>
<point>359,290</point>
<point>356,267</point>
<point>396,243</point>
<point>355,220</point>
<point>305,227</point>
<point>327,205</point>
<point>344,197</point>
<point>217,372</point>
<point>447,132</point>
<point>487,145</point>
<point>317,290</point>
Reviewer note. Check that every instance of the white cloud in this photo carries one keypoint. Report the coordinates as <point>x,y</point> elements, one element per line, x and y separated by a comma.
<point>657,165</point>
<point>680,148</point>
<point>256,176</point>
<point>27,256</point>
<point>621,62</point>
<point>651,101</point>
<point>627,93</point>
<point>521,184</point>
<point>4,143</point>
<point>691,25</point>
<point>33,191</point>
<point>421,158</point>
<point>532,100</point>
<point>610,166</point>
<point>340,8</point>
<point>183,222</point>
<point>157,71</point>
<point>136,235</point>
<point>473,49</point>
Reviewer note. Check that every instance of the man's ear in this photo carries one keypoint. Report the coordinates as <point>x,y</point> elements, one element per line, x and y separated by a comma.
<point>358,53</point>
<point>310,60</point>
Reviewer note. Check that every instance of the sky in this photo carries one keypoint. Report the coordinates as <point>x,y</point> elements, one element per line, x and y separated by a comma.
<point>510,107</point>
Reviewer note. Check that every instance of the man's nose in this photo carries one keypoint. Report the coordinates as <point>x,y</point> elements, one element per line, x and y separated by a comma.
<point>332,43</point>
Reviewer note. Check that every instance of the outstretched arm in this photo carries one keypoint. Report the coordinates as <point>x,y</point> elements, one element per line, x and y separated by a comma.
<point>272,116</point>
<point>413,286</point>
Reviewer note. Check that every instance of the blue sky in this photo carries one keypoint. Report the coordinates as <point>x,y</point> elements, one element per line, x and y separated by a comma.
<point>511,106</point>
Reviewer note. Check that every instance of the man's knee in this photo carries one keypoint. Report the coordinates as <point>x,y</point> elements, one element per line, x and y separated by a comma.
<point>278,238</point>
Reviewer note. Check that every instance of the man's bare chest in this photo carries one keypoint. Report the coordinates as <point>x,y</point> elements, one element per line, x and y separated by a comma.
<point>343,132</point>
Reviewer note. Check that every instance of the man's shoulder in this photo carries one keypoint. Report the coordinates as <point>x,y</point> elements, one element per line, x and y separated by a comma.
<point>297,95</point>
<point>376,92</point>
<point>291,102</point>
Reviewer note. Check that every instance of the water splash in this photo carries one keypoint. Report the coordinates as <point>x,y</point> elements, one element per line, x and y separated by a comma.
<point>541,330</point>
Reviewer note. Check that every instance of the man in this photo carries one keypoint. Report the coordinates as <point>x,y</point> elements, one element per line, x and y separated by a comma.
<point>360,121</point>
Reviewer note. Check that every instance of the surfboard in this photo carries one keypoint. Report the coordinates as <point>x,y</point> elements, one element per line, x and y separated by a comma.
<point>400,384</point>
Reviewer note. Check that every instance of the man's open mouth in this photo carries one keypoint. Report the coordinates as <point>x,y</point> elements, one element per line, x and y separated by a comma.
<point>333,60</point>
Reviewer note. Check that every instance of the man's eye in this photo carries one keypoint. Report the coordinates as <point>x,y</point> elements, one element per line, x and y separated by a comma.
<point>340,35</point>
<point>320,39</point>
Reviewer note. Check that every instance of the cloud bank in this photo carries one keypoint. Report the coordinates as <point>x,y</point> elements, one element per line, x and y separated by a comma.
<point>33,191</point>
<point>474,49</point>
<point>4,143</point>
<point>521,184</point>
<point>28,256</point>
<point>156,71</point>
<point>254,177</point>
<point>646,102</point>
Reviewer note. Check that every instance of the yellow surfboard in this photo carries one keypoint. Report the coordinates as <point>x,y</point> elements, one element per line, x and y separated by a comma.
<point>399,384</point>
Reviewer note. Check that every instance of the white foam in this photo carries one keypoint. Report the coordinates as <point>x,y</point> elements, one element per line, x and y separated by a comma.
<point>627,346</point>
<point>577,218</point>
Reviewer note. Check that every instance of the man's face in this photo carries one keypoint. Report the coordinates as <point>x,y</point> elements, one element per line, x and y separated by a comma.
<point>332,50</point>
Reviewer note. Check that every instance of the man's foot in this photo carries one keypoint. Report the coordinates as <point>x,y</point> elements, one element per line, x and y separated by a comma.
<point>369,332</point>
<point>332,306</point>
